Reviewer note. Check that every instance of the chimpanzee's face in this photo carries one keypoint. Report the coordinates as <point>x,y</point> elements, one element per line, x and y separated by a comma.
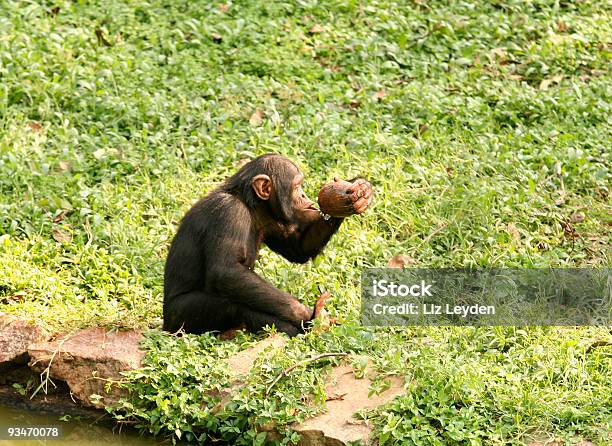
<point>304,210</point>
<point>281,186</point>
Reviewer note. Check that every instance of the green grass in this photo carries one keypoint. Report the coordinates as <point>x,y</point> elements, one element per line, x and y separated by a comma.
<point>484,127</point>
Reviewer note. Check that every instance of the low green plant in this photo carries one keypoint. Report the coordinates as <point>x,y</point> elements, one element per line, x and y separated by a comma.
<point>483,126</point>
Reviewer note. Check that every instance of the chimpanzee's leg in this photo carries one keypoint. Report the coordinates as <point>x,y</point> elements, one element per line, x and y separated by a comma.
<point>256,321</point>
<point>197,312</point>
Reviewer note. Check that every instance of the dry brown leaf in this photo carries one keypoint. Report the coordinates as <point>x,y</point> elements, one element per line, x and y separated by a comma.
<point>562,26</point>
<point>601,193</point>
<point>64,166</point>
<point>354,104</point>
<point>18,296</point>
<point>224,7</point>
<point>380,95</point>
<point>336,397</point>
<point>401,261</point>
<point>320,303</point>
<point>513,231</point>
<point>257,118</point>
<point>577,217</point>
<point>35,126</point>
<point>60,217</point>
<point>499,52</point>
<point>316,29</point>
<point>548,82</point>
<point>61,236</point>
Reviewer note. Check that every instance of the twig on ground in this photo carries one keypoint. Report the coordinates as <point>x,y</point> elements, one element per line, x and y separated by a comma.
<point>45,379</point>
<point>305,361</point>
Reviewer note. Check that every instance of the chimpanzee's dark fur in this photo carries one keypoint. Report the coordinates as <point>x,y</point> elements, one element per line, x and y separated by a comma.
<point>209,279</point>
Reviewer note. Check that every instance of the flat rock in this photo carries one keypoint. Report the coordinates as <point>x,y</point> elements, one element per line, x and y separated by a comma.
<point>15,336</point>
<point>89,361</point>
<point>241,363</point>
<point>346,395</point>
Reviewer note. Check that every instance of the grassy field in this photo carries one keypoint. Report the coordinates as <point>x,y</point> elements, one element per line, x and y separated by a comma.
<point>484,128</point>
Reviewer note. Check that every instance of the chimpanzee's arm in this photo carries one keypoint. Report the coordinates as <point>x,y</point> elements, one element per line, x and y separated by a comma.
<point>230,248</point>
<point>301,246</point>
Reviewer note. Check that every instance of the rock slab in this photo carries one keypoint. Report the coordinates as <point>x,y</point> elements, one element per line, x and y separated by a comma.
<point>242,362</point>
<point>15,337</point>
<point>346,395</point>
<point>89,361</point>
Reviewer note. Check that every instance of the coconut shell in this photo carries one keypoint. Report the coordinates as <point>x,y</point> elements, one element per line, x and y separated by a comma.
<point>335,199</point>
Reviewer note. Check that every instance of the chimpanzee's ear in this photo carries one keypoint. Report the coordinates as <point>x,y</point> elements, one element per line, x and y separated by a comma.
<point>262,185</point>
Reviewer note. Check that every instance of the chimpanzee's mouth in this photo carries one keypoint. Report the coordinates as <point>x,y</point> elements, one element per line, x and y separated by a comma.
<point>312,207</point>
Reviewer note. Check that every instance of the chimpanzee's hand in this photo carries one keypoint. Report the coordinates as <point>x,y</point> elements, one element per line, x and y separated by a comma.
<point>361,195</point>
<point>301,312</point>
<point>342,198</point>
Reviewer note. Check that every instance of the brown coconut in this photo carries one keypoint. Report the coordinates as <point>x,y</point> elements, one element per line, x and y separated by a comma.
<point>335,199</point>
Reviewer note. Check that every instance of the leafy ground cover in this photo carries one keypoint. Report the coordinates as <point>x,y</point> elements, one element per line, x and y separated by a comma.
<point>483,126</point>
